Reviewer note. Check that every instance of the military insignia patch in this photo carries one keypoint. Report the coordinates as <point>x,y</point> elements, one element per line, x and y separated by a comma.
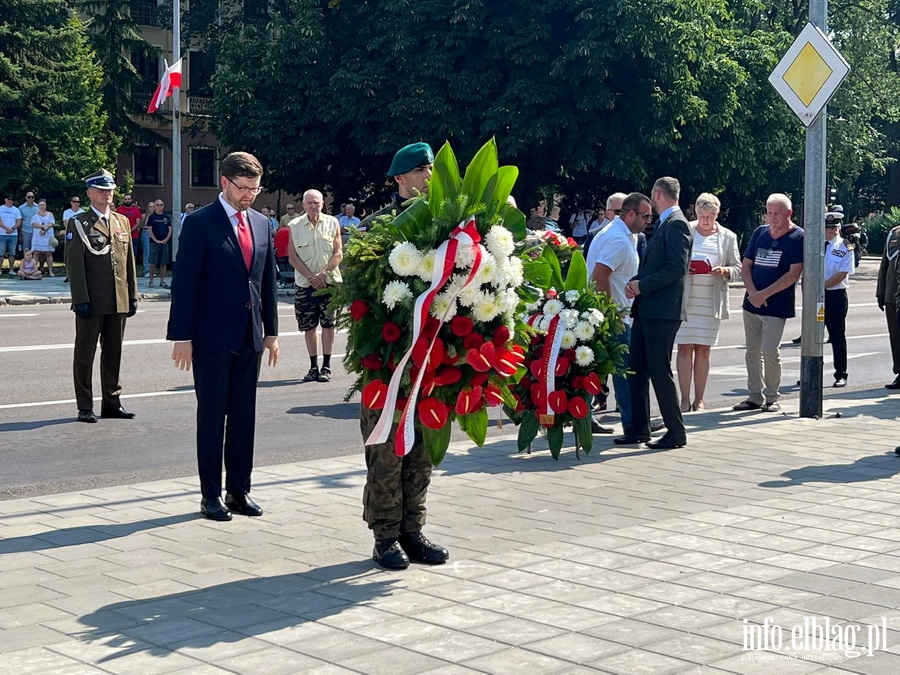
<point>69,235</point>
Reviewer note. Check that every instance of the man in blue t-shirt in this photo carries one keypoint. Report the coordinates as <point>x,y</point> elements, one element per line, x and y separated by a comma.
<point>771,267</point>
<point>159,225</point>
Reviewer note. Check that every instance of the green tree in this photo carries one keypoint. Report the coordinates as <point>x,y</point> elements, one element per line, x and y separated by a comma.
<point>53,127</point>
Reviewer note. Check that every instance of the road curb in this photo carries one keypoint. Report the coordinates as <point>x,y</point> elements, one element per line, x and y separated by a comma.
<point>24,300</point>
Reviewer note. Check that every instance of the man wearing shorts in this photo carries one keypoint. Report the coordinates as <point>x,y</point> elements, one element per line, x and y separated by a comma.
<point>315,254</point>
<point>159,225</point>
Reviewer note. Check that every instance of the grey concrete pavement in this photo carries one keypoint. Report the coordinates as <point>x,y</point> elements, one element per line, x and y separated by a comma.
<point>626,561</point>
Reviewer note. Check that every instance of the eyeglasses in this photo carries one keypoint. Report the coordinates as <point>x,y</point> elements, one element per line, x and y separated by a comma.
<point>617,211</point>
<point>246,190</point>
<point>645,216</point>
<point>159,204</point>
<point>290,208</point>
<point>29,196</point>
<point>75,201</point>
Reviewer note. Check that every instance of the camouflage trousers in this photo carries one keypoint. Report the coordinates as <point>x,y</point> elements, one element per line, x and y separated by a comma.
<point>394,496</point>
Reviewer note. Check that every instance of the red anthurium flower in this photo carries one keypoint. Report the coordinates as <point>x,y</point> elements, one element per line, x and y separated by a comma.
<point>430,329</point>
<point>562,366</point>
<point>447,375</point>
<point>506,364</point>
<point>434,359</point>
<point>537,394</point>
<point>478,379</point>
<point>501,336</point>
<point>374,395</point>
<point>518,350</point>
<point>390,332</point>
<point>358,309</point>
<point>433,413</point>
<point>592,384</point>
<point>483,358</point>
<point>571,242</point>
<point>469,401</point>
<point>578,382</point>
<point>537,339</point>
<point>372,362</point>
<point>558,401</point>
<point>537,368</point>
<point>578,407</point>
<point>473,341</point>
<point>552,293</point>
<point>461,326</point>
<point>492,396</point>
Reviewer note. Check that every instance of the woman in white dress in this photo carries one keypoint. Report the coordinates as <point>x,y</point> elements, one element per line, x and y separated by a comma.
<point>43,222</point>
<point>714,262</point>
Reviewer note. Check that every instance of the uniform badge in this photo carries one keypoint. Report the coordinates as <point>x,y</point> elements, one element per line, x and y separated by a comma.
<point>69,235</point>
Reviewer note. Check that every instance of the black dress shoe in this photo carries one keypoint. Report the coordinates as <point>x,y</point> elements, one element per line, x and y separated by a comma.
<point>389,555</point>
<point>630,440</point>
<point>117,413</point>
<point>243,505</point>
<point>419,549</point>
<point>666,444</point>
<point>596,428</point>
<point>893,385</point>
<point>214,509</point>
<point>87,416</point>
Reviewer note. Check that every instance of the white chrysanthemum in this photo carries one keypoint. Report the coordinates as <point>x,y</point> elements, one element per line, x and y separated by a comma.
<point>509,301</point>
<point>465,256</point>
<point>553,307</point>
<point>572,296</point>
<point>395,293</point>
<point>500,242</point>
<point>455,284</point>
<point>569,317</point>
<point>405,260</point>
<point>501,274</point>
<point>532,307</point>
<point>543,324</point>
<point>470,295</point>
<point>593,316</point>
<point>583,331</point>
<point>515,273</point>
<point>584,356</point>
<point>426,266</point>
<point>487,270</point>
<point>486,308</point>
<point>443,306</point>
<point>568,340</point>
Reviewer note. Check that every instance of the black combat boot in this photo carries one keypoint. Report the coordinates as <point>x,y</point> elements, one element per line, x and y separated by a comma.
<point>421,550</point>
<point>389,555</point>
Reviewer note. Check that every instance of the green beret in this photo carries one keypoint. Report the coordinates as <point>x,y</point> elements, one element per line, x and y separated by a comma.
<point>411,157</point>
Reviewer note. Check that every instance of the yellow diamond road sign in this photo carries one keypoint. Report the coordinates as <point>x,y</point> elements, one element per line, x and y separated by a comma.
<point>809,74</point>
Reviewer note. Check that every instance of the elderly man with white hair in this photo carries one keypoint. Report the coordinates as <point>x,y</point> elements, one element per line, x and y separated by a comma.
<point>773,261</point>
<point>315,254</point>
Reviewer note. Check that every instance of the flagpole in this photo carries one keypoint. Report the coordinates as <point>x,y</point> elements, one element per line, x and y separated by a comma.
<point>176,131</point>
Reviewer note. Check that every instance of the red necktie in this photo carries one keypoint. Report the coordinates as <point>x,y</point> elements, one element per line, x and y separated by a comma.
<point>245,240</point>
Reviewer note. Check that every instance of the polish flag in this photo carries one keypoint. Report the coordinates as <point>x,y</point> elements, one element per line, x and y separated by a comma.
<point>170,79</point>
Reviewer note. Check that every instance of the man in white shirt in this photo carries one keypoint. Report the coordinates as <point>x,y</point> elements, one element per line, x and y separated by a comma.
<point>73,210</point>
<point>613,208</point>
<point>10,222</point>
<point>612,262</point>
<point>28,209</point>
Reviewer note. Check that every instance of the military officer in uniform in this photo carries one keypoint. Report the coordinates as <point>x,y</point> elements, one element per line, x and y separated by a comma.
<point>394,495</point>
<point>887,293</point>
<point>100,263</point>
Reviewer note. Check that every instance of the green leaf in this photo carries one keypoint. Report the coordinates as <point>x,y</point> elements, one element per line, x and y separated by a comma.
<point>556,280</point>
<point>577,276</point>
<point>538,273</point>
<point>530,292</point>
<point>436,442</point>
<point>445,181</point>
<point>555,438</point>
<point>528,431</point>
<point>414,218</point>
<point>498,189</point>
<point>514,221</point>
<point>583,433</point>
<point>480,170</point>
<point>475,425</point>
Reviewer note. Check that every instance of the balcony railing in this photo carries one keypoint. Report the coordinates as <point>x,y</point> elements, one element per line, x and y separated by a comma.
<point>200,105</point>
<point>145,14</point>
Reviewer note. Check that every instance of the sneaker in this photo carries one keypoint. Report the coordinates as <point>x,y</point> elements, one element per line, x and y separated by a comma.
<point>325,374</point>
<point>312,375</point>
<point>145,274</point>
<point>840,382</point>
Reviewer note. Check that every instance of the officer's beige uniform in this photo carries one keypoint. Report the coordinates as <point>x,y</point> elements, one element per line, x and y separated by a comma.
<point>887,291</point>
<point>104,277</point>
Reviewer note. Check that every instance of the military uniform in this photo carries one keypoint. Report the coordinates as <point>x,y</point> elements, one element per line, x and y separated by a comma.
<point>887,292</point>
<point>100,264</point>
<point>396,487</point>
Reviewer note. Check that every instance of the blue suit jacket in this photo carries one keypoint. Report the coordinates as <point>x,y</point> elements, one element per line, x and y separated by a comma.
<point>214,295</point>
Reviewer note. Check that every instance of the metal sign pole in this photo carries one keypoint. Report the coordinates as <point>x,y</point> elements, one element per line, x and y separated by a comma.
<point>813,327</point>
<point>176,131</point>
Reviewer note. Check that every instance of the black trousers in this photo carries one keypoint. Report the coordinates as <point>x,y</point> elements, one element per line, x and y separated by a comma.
<point>225,384</point>
<point>110,330</point>
<point>650,359</point>
<point>893,322</point>
<point>836,305</point>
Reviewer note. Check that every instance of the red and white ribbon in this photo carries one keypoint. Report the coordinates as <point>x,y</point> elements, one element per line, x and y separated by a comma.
<point>548,376</point>
<point>465,234</point>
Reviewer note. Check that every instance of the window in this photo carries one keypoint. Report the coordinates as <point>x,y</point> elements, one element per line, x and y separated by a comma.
<point>203,167</point>
<point>147,165</point>
<point>201,68</point>
<point>256,11</point>
<point>146,63</point>
<point>144,12</point>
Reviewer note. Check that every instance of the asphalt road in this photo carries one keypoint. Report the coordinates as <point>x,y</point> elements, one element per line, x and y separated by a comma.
<point>44,450</point>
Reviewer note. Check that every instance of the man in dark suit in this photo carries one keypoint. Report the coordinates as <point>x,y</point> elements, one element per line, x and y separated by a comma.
<point>223,315</point>
<point>657,291</point>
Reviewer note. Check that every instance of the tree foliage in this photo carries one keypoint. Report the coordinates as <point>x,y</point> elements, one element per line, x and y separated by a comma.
<point>586,95</point>
<point>53,127</point>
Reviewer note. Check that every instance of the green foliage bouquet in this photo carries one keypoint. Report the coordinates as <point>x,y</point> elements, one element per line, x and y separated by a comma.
<point>432,305</point>
<point>575,349</point>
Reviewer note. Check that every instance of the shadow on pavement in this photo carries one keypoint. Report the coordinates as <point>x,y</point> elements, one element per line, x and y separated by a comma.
<point>200,621</point>
<point>875,467</point>
<point>334,411</point>
<point>7,427</point>
<point>73,536</point>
